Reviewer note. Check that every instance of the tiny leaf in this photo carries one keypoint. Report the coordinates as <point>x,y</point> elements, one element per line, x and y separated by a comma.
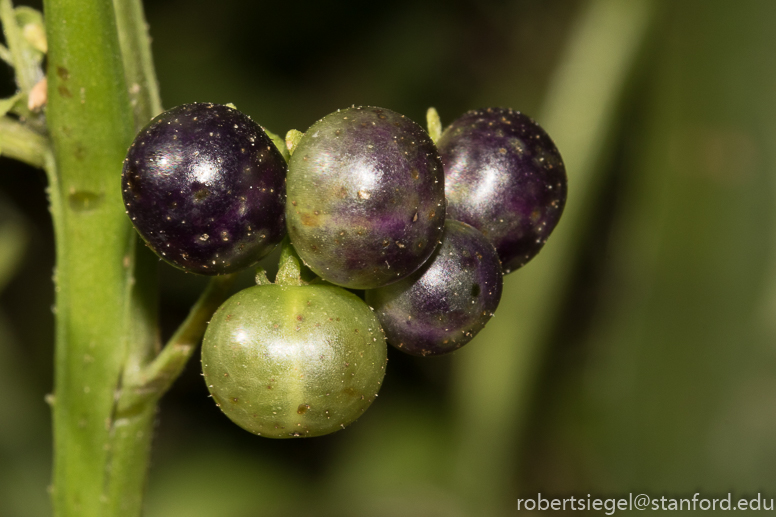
<point>292,140</point>
<point>279,143</point>
<point>7,104</point>
<point>34,31</point>
<point>434,124</point>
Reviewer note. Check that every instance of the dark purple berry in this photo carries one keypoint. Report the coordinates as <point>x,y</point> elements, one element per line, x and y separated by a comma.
<point>505,177</point>
<point>442,306</point>
<point>366,202</point>
<point>204,186</point>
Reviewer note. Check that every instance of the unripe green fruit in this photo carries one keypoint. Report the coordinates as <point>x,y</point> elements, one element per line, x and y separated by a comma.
<point>288,361</point>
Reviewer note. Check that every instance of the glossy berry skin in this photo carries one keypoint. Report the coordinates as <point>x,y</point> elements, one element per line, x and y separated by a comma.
<point>505,177</point>
<point>442,306</point>
<point>366,202</point>
<point>293,361</point>
<point>205,188</point>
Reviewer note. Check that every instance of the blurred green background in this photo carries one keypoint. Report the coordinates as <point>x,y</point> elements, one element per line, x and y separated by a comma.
<point>636,353</point>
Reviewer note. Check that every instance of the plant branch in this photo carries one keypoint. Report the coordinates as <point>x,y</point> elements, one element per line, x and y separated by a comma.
<point>138,61</point>
<point>142,281</point>
<point>131,433</point>
<point>22,143</point>
<point>153,380</point>
<point>25,58</point>
<point>5,54</point>
<point>20,52</point>
<point>142,343</point>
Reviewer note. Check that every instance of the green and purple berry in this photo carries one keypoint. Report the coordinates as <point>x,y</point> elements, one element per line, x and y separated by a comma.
<point>366,202</point>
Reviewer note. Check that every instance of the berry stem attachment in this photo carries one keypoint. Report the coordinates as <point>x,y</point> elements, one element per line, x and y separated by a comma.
<point>290,267</point>
<point>261,277</point>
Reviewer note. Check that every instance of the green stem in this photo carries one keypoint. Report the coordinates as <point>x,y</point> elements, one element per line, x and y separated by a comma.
<point>132,430</point>
<point>138,61</point>
<point>5,54</point>
<point>154,379</point>
<point>22,55</point>
<point>289,265</point>
<point>107,379</point>
<point>90,122</point>
<point>26,60</point>
<point>144,383</point>
<point>494,381</point>
<point>20,142</point>
<point>131,433</point>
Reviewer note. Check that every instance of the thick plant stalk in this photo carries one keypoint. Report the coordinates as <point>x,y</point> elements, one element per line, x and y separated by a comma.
<point>90,122</point>
<point>98,467</point>
<point>109,372</point>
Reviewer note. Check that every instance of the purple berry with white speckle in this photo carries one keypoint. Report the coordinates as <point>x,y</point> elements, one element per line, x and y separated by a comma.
<point>448,301</point>
<point>205,188</point>
<point>366,200</point>
<point>505,177</point>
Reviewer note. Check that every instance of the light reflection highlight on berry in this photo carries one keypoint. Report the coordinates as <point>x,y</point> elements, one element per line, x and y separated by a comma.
<point>166,161</point>
<point>203,170</point>
<point>490,182</point>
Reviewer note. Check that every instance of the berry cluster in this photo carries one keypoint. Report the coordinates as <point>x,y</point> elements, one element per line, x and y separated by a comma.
<point>370,203</point>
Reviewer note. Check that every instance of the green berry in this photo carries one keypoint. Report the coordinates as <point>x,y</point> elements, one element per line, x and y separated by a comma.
<point>294,361</point>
